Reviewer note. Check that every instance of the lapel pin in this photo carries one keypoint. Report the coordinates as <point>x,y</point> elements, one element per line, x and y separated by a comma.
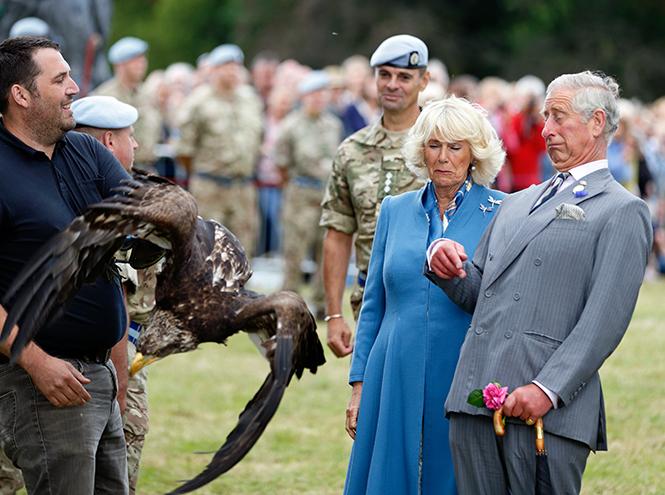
<point>493,201</point>
<point>579,190</point>
<point>485,209</point>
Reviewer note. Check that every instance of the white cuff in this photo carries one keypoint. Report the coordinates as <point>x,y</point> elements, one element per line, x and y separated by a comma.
<point>554,398</point>
<point>432,249</point>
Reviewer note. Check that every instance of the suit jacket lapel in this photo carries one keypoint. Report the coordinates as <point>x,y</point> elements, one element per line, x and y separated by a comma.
<point>529,225</point>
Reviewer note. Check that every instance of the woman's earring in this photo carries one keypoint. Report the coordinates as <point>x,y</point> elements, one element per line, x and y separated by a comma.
<point>473,166</point>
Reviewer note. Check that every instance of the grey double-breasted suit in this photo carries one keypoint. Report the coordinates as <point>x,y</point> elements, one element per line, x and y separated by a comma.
<point>552,293</point>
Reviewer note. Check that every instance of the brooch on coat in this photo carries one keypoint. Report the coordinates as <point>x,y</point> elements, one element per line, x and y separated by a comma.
<point>579,191</point>
<point>493,202</point>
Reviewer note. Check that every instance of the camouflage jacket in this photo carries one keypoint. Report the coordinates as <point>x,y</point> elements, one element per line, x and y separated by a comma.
<point>148,128</point>
<point>222,134</point>
<point>139,287</point>
<point>306,145</point>
<point>368,167</point>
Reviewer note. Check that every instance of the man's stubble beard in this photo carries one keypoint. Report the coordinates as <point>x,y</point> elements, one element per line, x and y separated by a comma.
<point>48,125</point>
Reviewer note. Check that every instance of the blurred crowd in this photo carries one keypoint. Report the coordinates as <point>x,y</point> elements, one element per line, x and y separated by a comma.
<point>215,126</point>
<point>636,155</point>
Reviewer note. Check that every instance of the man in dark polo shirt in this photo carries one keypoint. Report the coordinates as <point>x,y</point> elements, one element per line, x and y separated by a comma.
<point>59,418</point>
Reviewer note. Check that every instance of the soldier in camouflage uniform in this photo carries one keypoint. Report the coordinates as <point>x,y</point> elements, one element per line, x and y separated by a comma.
<point>110,121</point>
<point>220,136</point>
<point>369,166</point>
<point>128,56</point>
<point>140,294</point>
<point>304,151</point>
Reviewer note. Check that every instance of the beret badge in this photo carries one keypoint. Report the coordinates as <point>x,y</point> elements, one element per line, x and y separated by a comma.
<point>413,58</point>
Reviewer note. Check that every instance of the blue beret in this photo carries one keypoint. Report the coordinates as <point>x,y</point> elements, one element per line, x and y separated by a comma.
<point>126,49</point>
<point>29,26</point>
<point>103,112</point>
<point>202,59</point>
<point>314,81</point>
<point>402,50</point>
<point>224,54</point>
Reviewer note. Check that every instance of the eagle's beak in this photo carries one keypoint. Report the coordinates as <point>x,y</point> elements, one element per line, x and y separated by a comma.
<point>140,362</point>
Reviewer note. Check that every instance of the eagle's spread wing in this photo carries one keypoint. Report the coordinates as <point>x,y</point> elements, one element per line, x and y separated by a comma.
<point>227,260</point>
<point>295,347</point>
<point>146,206</point>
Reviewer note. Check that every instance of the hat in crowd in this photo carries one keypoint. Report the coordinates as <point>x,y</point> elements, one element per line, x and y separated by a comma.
<point>202,59</point>
<point>224,54</point>
<point>314,81</point>
<point>126,49</point>
<point>403,50</point>
<point>29,26</point>
<point>103,112</point>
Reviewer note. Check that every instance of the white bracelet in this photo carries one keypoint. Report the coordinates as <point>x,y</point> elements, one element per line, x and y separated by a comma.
<point>333,317</point>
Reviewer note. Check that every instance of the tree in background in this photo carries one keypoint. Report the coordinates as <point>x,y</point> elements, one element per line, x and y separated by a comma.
<point>508,38</point>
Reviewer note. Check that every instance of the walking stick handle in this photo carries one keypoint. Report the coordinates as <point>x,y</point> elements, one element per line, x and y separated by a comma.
<point>499,423</point>
<point>500,430</point>
<point>540,436</point>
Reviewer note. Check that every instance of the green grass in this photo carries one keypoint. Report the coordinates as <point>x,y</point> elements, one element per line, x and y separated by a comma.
<point>195,400</point>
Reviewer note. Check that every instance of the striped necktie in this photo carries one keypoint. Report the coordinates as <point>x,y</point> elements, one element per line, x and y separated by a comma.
<point>551,190</point>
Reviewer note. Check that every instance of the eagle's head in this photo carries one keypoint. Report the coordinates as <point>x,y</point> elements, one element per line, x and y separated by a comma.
<point>163,336</point>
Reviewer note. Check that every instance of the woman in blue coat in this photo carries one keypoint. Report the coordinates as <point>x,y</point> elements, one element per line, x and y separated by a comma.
<point>409,333</point>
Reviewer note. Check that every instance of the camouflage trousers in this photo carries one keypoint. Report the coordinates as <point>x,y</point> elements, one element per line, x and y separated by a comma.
<point>356,300</point>
<point>302,235</point>
<point>135,420</point>
<point>234,206</point>
<point>11,479</point>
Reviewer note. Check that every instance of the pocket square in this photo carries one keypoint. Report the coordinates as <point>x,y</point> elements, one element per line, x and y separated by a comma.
<point>567,211</point>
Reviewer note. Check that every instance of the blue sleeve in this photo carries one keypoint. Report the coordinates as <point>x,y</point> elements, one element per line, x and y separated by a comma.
<point>374,300</point>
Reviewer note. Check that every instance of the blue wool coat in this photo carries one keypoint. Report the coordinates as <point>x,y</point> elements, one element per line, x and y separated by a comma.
<point>407,344</point>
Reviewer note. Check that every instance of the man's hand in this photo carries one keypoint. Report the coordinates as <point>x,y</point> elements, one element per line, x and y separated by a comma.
<point>339,337</point>
<point>352,409</point>
<point>448,260</point>
<point>527,402</point>
<point>56,379</point>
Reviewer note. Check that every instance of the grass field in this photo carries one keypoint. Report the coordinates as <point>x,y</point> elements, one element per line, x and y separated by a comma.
<point>195,400</point>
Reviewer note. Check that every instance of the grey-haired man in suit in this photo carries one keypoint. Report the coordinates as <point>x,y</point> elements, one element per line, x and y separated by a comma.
<point>552,288</point>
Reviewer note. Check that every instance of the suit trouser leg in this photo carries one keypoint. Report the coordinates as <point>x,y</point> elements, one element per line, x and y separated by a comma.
<point>476,459</point>
<point>478,468</point>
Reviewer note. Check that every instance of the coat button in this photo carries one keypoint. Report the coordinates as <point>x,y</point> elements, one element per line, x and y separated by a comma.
<point>516,296</point>
<point>488,293</point>
<point>478,330</point>
<point>508,334</point>
<point>537,262</point>
<point>491,257</point>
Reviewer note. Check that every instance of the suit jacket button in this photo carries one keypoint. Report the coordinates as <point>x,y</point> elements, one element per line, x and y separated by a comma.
<point>516,296</point>
<point>478,330</point>
<point>488,293</point>
<point>491,257</point>
<point>537,262</point>
<point>508,334</point>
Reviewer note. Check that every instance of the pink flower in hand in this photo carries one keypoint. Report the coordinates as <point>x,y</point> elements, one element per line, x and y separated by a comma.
<point>494,395</point>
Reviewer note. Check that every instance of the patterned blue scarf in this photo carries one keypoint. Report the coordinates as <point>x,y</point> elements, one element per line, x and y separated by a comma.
<point>437,225</point>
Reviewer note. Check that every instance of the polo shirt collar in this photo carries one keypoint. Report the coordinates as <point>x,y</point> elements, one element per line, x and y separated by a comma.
<point>12,140</point>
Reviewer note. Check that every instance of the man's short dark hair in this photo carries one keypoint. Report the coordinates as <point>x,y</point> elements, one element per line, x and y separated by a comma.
<point>17,65</point>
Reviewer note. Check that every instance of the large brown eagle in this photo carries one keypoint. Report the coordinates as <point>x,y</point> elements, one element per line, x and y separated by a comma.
<point>200,296</point>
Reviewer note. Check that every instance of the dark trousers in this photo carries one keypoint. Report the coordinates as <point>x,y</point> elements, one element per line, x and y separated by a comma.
<point>64,451</point>
<point>476,452</point>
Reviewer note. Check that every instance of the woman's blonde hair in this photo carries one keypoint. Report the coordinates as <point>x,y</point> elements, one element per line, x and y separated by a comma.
<point>450,120</point>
